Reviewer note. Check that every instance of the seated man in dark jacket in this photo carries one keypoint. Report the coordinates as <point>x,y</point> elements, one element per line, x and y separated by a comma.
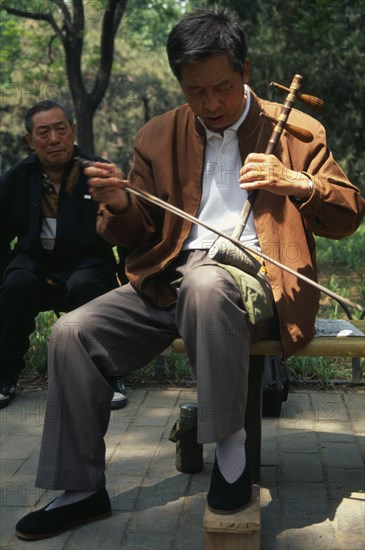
<point>58,262</point>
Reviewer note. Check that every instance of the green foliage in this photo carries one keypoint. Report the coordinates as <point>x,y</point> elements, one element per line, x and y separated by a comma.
<point>36,357</point>
<point>349,252</point>
<point>142,87</point>
<point>10,48</point>
<point>147,24</point>
<point>169,368</point>
<point>178,368</point>
<point>321,369</point>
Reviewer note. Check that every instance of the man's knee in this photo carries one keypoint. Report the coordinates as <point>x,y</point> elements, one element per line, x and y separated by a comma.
<point>210,302</point>
<point>84,286</point>
<point>74,326</point>
<point>208,285</point>
<point>202,277</point>
<point>21,285</point>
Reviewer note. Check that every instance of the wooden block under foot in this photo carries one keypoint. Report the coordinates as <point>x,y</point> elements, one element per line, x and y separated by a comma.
<point>234,531</point>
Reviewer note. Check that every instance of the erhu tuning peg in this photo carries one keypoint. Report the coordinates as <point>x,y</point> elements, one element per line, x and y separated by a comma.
<point>315,103</point>
<point>300,133</point>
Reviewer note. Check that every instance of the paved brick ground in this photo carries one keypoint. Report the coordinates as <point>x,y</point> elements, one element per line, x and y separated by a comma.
<point>312,486</point>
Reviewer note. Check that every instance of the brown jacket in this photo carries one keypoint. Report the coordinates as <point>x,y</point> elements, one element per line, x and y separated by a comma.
<point>168,162</point>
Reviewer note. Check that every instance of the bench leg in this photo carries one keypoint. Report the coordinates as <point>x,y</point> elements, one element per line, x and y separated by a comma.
<point>254,415</point>
<point>356,370</point>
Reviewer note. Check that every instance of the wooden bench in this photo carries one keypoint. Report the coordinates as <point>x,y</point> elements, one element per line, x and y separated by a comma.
<point>327,346</point>
<point>319,346</point>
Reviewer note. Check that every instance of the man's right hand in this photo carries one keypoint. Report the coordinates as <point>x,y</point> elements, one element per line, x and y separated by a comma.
<point>106,186</point>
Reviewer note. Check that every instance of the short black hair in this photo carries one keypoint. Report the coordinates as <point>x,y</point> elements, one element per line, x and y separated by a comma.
<point>46,105</point>
<point>202,34</point>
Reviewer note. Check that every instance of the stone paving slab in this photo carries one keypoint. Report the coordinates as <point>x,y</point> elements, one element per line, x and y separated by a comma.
<point>312,475</point>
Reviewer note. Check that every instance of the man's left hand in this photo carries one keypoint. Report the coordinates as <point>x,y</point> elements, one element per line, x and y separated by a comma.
<point>262,171</point>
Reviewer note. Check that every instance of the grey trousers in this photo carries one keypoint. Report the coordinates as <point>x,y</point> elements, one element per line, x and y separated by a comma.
<point>121,331</point>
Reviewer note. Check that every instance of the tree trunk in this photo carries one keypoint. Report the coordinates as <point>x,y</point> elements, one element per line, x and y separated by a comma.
<point>85,133</point>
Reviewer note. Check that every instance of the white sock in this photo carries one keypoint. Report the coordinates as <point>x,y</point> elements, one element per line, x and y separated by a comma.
<point>69,497</point>
<point>231,455</point>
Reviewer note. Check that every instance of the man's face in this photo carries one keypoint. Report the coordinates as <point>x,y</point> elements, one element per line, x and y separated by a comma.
<point>214,91</point>
<point>52,138</point>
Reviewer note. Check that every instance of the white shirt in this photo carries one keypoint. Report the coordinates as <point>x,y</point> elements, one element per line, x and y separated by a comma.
<point>222,199</point>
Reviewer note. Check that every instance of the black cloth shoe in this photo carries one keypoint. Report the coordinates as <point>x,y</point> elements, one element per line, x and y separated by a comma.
<point>119,399</point>
<point>228,498</point>
<point>7,391</point>
<point>43,524</point>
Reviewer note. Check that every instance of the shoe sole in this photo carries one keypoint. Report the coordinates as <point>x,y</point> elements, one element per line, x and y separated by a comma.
<point>6,399</point>
<point>119,404</point>
<point>25,536</point>
<point>4,403</point>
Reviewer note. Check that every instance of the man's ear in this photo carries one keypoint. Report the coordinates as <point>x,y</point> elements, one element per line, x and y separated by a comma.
<point>29,140</point>
<point>246,71</point>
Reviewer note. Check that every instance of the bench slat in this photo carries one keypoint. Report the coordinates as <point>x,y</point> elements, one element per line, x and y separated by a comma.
<point>325,346</point>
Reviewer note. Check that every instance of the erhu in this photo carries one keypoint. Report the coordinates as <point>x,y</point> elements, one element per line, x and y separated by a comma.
<point>223,250</point>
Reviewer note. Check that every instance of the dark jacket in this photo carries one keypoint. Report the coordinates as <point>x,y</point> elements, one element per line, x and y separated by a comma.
<point>77,244</point>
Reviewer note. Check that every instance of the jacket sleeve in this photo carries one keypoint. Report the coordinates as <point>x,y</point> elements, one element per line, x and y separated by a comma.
<point>335,208</point>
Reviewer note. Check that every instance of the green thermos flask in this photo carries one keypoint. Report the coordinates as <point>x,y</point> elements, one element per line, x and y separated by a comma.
<point>189,453</point>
